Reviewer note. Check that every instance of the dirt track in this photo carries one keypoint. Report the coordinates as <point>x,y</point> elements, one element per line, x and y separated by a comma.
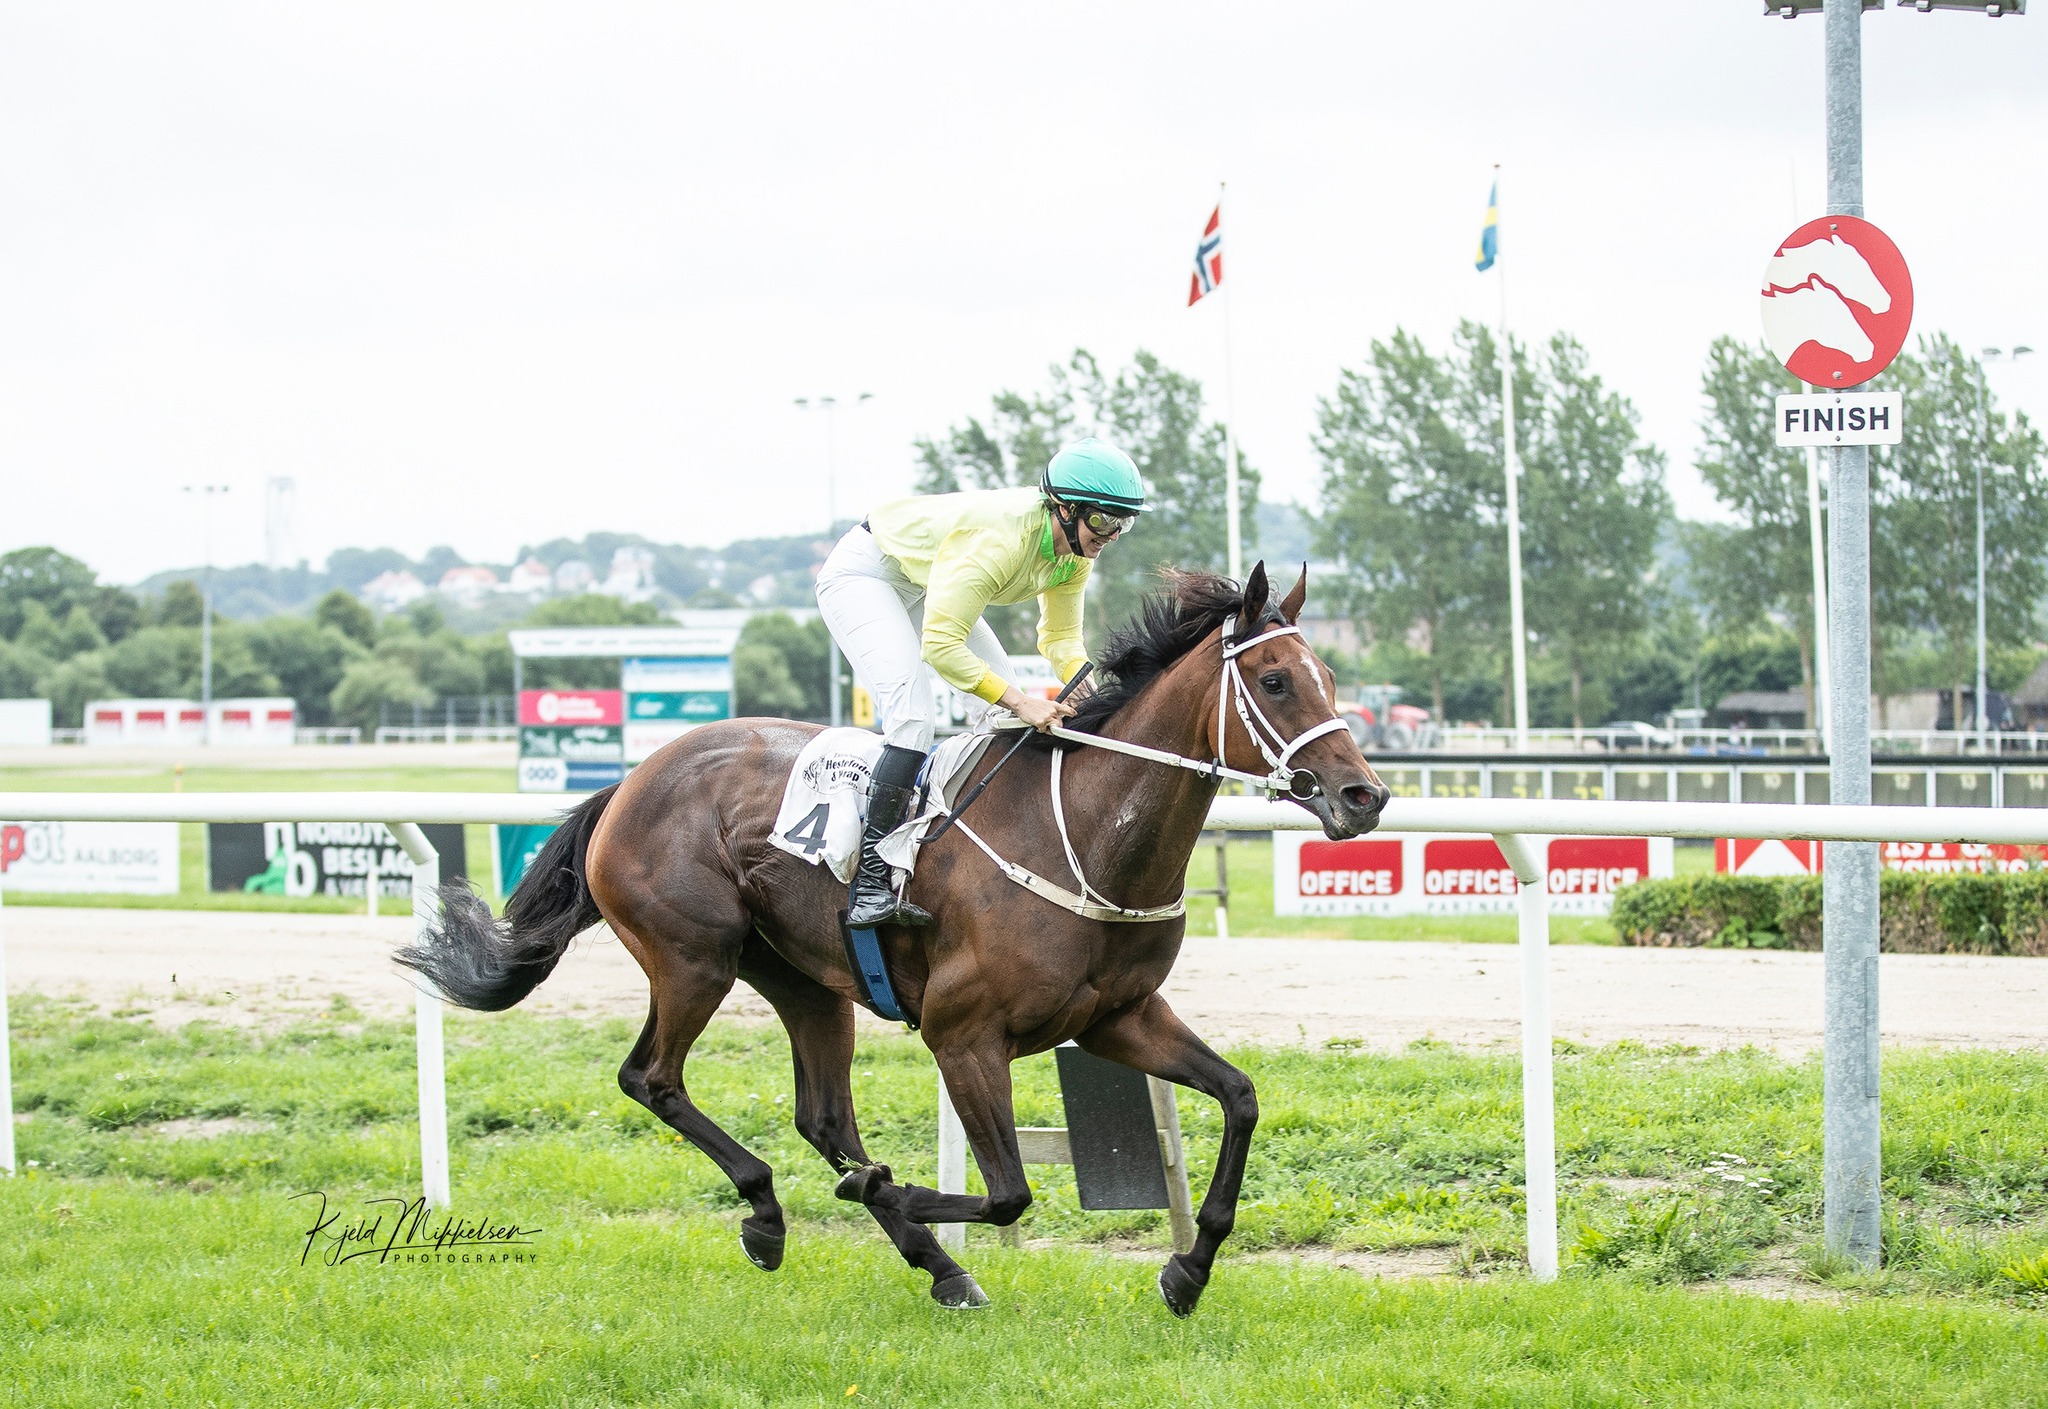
<point>256,967</point>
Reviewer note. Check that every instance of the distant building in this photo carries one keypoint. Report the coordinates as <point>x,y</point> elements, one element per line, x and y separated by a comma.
<point>468,585</point>
<point>632,576</point>
<point>574,576</point>
<point>392,591</point>
<point>1762,709</point>
<point>2030,701</point>
<point>529,577</point>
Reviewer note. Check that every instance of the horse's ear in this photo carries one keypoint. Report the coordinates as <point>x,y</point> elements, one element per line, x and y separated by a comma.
<point>1291,604</point>
<point>1256,591</point>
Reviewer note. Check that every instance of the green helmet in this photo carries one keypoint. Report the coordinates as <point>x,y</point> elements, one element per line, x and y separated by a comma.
<point>1093,471</point>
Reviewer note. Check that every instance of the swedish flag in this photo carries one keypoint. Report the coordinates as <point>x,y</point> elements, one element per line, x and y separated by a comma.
<point>1489,234</point>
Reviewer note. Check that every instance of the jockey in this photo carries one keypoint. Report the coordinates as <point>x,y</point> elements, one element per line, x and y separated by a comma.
<point>947,558</point>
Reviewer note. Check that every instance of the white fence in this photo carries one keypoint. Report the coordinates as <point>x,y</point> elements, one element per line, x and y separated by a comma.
<point>1991,743</point>
<point>1518,825</point>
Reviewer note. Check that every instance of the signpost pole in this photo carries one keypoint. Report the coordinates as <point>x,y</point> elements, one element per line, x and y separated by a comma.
<point>1984,424</point>
<point>1851,1168</point>
<point>1518,645</point>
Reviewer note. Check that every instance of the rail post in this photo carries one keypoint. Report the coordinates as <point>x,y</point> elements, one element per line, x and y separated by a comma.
<point>433,1067</point>
<point>952,1167</point>
<point>6,1041</point>
<point>1539,1104</point>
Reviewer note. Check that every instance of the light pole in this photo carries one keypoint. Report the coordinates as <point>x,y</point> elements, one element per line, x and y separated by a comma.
<point>206,492</point>
<point>1991,354</point>
<point>829,404</point>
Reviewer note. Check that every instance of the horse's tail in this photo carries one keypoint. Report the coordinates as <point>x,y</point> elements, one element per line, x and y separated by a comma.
<point>480,962</point>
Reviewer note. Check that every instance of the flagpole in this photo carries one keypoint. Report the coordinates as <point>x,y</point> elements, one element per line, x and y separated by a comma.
<point>1233,530</point>
<point>1520,642</point>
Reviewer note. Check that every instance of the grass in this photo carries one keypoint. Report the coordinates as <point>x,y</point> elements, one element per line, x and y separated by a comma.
<point>168,1269</point>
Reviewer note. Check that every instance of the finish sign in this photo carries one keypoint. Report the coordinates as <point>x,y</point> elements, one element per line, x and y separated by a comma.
<point>1845,418</point>
<point>1837,303</point>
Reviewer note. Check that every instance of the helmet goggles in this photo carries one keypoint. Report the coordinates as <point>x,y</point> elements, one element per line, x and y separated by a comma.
<point>1104,522</point>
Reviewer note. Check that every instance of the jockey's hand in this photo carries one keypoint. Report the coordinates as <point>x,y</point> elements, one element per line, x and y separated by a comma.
<point>1033,710</point>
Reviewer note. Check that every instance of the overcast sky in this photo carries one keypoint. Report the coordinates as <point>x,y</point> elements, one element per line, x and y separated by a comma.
<point>488,274</point>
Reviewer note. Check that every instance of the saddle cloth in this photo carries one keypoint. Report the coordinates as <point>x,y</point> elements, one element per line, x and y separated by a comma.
<point>825,801</point>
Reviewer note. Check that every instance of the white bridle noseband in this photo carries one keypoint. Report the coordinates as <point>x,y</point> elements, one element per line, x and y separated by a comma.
<point>1260,728</point>
<point>1277,750</point>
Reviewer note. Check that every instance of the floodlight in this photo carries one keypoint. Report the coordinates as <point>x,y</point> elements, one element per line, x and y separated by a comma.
<point>1993,8</point>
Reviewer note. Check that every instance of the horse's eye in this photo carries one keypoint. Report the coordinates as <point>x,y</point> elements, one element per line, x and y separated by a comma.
<point>1274,682</point>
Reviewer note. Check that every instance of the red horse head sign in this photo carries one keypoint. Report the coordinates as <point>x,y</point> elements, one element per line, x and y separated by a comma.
<point>1837,302</point>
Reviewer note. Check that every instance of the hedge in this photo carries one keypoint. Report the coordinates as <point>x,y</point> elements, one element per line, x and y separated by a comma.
<point>1918,913</point>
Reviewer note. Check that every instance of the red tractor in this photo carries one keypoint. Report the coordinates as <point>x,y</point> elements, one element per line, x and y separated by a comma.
<point>1378,720</point>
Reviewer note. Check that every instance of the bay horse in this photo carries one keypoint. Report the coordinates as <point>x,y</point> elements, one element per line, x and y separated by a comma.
<point>677,860</point>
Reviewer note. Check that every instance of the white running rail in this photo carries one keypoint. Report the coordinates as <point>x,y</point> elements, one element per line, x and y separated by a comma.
<point>1518,825</point>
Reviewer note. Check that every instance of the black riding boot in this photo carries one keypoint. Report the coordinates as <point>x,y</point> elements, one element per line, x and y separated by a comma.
<point>891,792</point>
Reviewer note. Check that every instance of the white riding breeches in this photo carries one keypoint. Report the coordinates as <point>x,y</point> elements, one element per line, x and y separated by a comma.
<point>876,614</point>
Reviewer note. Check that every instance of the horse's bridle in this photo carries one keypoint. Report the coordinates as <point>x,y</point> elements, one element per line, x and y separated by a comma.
<point>1234,688</point>
<point>1283,778</point>
<point>1278,751</point>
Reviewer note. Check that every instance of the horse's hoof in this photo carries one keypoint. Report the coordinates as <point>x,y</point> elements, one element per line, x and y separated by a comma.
<point>959,1292</point>
<point>762,1246</point>
<point>858,1185</point>
<point>1181,1286</point>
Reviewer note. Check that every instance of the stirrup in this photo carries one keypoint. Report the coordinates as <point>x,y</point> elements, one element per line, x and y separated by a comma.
<point>881,906</point>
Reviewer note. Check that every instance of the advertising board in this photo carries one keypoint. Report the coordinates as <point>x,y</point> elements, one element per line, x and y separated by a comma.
<point>1743,857</point>
<point>323,858</point>
<point>25,722</point>
<point>90,858</point>
<point>566,708</point>
<point>1396,874</point>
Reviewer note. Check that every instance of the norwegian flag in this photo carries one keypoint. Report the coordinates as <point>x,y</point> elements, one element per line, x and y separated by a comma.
<point>1208,259</point>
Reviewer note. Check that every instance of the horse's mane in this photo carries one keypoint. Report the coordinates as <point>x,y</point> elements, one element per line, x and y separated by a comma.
<point>1168,625</point>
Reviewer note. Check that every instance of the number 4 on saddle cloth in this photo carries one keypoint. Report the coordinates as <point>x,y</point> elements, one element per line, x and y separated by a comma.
<point>824,805</point>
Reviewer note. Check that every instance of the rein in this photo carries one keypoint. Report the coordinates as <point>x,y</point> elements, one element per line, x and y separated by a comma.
<point>1278,751</point>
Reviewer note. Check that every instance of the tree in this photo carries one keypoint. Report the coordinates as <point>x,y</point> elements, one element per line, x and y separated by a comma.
<point>803,650</point>
<point>71,686</point>
<point>74,635</point>
<point>22,668</point>
<point>1925,510</point>
<point>1593,504</point>
<point>43,575</point>
<point>307,658</point>
<point>1764,566</point>
<point>762,683</point>
<point>352,567</point>
<point>346,614</point>
<point>181,605</point>
<point>370,684</point>
<point>1413,500</point>
<point>1154,414</point>
<point>157,662</point>
<point>115,610</point>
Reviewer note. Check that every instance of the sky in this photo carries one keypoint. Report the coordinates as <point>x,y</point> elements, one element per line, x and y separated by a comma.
<point>486,275</point>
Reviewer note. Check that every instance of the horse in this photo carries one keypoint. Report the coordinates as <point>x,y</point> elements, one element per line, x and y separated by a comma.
<point>677,860</point>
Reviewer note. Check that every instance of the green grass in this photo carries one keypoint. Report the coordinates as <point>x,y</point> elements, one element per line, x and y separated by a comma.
<point>168,1269</point>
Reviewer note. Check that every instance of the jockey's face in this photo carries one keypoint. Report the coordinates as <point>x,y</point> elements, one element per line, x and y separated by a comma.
<point>1091,543</point>
<point>1080,538</point>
